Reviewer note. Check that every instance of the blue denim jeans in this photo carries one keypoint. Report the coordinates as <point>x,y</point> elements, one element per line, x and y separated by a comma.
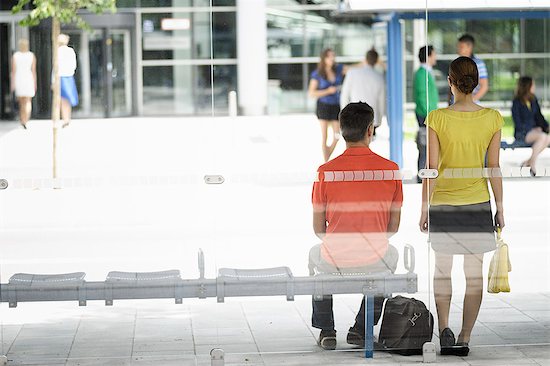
<point>323,315</point>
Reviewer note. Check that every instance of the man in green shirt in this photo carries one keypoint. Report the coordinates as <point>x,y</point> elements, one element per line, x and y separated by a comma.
<point>425,97</point>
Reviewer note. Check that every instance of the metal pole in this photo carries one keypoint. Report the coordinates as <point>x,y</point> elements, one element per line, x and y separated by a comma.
<point>369,325</point>
<point>394,79</point>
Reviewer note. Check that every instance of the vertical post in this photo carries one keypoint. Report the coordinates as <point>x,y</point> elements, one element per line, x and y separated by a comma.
<point>394,81</point>
<point>252,56</point>
<point>56,100</point>
<point>217,357</point>
<point>369,326</point>
<point>232,103</point>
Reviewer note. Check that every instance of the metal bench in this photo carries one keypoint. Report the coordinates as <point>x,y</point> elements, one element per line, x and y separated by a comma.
<point>230,282</point>
<point>513,145</point>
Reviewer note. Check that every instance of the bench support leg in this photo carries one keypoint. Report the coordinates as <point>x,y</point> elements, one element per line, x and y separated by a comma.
<point>369,325</point>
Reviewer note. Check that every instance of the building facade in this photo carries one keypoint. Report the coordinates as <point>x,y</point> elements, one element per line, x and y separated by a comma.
<point>183,57</point>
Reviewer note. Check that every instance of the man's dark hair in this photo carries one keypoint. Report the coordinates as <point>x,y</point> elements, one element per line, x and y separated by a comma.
<point>422,53</point>
<point>355,120</point>
<point>372,57</point>
<point>467,38</point>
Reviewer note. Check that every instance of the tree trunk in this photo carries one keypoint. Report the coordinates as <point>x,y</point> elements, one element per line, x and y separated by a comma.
<point>56,98</point>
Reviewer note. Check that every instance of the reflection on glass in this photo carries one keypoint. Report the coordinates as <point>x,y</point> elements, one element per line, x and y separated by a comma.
<point>186,89</point>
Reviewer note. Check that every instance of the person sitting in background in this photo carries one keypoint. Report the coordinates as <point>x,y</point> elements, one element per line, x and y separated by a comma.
<point>530,125</point>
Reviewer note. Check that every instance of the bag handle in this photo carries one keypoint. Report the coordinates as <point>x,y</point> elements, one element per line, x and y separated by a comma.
<point>499,233</point>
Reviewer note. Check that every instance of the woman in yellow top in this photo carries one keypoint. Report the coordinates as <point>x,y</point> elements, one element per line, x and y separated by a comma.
<point>460,139</point>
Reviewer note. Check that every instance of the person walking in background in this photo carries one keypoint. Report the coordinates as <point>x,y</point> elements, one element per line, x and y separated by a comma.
<point>530,125</point>
<point>425,97</point>
<point>325,84</point>
<point>354,219</point>
<point>460,220</point>
<point>465,47</point>
<point>23,80</point>
<point>67,67</point>
<point>365,84</point>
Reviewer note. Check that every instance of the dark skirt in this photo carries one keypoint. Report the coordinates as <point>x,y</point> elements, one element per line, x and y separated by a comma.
<point>328,112</point>
<point>466,229</point>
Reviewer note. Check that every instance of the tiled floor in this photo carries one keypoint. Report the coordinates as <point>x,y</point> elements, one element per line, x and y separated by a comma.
<point>251,331</point>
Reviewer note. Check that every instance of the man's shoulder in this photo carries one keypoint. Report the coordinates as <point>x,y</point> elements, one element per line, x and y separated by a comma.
<point>343,162</point>
<point>386,163</point>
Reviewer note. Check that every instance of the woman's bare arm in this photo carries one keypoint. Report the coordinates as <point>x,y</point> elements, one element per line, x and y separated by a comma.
<point>429,184</point>
<point>495,178</point>
<point>314,93</point>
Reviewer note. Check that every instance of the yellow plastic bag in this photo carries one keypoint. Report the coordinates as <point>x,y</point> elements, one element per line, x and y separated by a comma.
<point>499,268</point>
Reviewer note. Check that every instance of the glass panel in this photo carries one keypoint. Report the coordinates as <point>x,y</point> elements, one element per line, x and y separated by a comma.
<point>121,73</point>
<point>515,50</point>
<point>183,36</point>
<point>169,90</point>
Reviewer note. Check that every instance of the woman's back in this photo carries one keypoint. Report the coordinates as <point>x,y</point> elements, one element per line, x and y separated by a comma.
<point>23,62</point>
<point>463,141</point>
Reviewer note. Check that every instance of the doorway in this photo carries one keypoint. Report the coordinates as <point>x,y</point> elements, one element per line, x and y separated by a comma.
<point>104,75</point>
<point>6,102</point>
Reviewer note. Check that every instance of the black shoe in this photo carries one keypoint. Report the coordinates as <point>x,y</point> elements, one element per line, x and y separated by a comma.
<point>356,337</point>
<point>461,349</point>
<point>327,339</point>
<point>447,341</point>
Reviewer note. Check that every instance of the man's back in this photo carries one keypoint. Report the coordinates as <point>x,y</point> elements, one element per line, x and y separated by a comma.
<point>357,192</point>
<point>365,84</point>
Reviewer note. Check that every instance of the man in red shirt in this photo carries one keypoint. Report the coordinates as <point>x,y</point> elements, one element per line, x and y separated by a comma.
<point>357,201</point>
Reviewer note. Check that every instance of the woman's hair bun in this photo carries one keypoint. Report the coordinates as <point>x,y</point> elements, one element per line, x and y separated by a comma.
<point>467,84</point>
<point>464,74</point>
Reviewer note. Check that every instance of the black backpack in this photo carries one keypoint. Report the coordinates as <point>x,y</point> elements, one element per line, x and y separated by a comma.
<point>406,326</point>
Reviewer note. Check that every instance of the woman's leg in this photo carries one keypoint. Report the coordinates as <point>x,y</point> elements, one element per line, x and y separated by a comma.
<point>28,109</point>
<point>65,111</point>
<point>335,125</point>
<point>324,135</point>
<point>443,288</point>
<point>22,101</point>
<point>473,269</point>
<point>540,141</point>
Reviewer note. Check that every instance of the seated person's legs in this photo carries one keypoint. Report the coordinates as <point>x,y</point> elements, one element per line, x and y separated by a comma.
<point>323,317</point>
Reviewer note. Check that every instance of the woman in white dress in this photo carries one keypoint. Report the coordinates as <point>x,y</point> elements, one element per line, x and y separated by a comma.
<point>23,80</point>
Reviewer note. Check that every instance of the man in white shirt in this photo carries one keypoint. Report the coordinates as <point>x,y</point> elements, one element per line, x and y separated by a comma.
<point>365,84</point>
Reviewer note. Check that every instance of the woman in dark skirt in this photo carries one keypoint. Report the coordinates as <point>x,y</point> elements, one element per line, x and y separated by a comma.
<point>456,208</point>
<point>325,84</point>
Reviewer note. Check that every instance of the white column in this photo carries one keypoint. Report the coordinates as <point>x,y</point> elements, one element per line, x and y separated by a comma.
<point>85,78</point>
<point>252,56</point>
<point>419,40</point>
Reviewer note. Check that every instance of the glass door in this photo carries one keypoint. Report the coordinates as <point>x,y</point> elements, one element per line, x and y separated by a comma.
<point>6,105</point>
<point>104,72</point>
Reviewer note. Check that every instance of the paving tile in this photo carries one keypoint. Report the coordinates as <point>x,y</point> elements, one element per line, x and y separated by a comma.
<point>536,351</point>
<point>99,361</point>
<point>164,361</point>
<point>228,348</point>
<point>509,315</point>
